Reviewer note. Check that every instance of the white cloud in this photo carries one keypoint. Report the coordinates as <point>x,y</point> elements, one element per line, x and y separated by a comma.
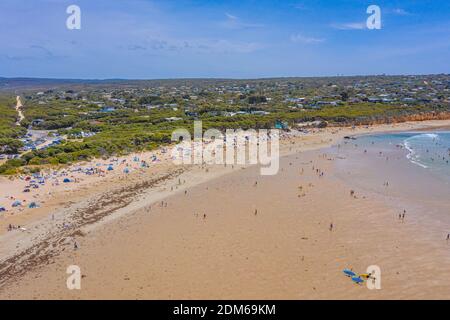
<point>200,46</point>
<point>298,38</point>
<point>231,17</point>
<point>226,46</point>
<point>350,26</point>
<point>299,6</point>
<point>401,12</point>
<point>233,22</point>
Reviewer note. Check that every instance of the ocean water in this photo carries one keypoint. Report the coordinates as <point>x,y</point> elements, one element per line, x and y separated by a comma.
<point>408,170</point>
<point>428,150</point>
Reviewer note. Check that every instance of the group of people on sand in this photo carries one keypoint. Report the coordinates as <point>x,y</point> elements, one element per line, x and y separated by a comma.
<point>12,227</point>
<point>73,174</point>
<point>401,216</point>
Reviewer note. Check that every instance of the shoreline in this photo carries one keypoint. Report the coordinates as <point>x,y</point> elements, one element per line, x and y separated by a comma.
<point>197,177</point>
<point>53,196</point>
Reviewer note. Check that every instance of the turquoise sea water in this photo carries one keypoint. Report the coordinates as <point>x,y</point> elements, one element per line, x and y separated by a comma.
<point>429,150</point>
<point>408,170</point>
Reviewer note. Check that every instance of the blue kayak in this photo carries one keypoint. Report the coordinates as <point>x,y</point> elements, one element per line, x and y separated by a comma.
<point>349,273</point>
<point>357,280</point>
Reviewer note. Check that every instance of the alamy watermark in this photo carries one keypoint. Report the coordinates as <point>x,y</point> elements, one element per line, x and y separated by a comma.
<point>374,279</point>
<point>73,22</point>
<point>239,147</point>
<point>374,20</point>
<point>74,280</point>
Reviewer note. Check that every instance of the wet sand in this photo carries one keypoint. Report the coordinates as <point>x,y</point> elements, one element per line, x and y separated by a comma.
<point>265,241</point>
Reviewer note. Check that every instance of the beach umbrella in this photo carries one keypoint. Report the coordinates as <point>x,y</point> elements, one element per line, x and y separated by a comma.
<point>16,203</point>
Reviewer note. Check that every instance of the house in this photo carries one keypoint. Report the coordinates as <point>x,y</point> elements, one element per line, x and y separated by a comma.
<point>260,113</point>
<point>172,119</point>
<point>281,125</point>
<point>328,103</point>
<point>191,114</point>
<point>108,109</point>
<point>374,99</point>
<point>37,122</point>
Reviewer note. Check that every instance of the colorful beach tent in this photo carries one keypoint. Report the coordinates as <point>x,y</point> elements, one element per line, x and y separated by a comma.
<point>33,205</point>
<point>16,203</point>
<point>66,180</point>
<point>2,209</point>
<point>110,168</point>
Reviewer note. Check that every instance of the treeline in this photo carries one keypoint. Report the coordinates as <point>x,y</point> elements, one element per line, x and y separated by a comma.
<point>124,130</point>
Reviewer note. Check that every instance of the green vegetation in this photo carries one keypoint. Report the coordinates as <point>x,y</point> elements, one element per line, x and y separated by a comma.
<point>9,131</point>
<point>126,130</point>
<point>101,120</point>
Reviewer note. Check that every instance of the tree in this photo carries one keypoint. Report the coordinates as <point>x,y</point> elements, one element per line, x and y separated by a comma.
<point>344,96</point>
<point>10,146</point>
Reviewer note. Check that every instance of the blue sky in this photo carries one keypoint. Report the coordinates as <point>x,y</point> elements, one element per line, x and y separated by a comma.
<point>145,39</point>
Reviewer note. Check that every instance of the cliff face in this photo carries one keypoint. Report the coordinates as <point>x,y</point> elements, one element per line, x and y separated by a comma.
<point>401,118</point>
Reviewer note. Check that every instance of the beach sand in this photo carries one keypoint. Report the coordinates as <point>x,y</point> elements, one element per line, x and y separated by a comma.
<point>265,241</point>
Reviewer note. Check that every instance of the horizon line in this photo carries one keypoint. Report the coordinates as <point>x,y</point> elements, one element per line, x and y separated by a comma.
<point>221,78</point>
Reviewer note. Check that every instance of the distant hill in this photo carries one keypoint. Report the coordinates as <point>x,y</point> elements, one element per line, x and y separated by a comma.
<point>36,83</point>
<point>23,84</point>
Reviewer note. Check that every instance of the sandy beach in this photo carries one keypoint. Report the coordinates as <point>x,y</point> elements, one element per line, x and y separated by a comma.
<point>194,232</point>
